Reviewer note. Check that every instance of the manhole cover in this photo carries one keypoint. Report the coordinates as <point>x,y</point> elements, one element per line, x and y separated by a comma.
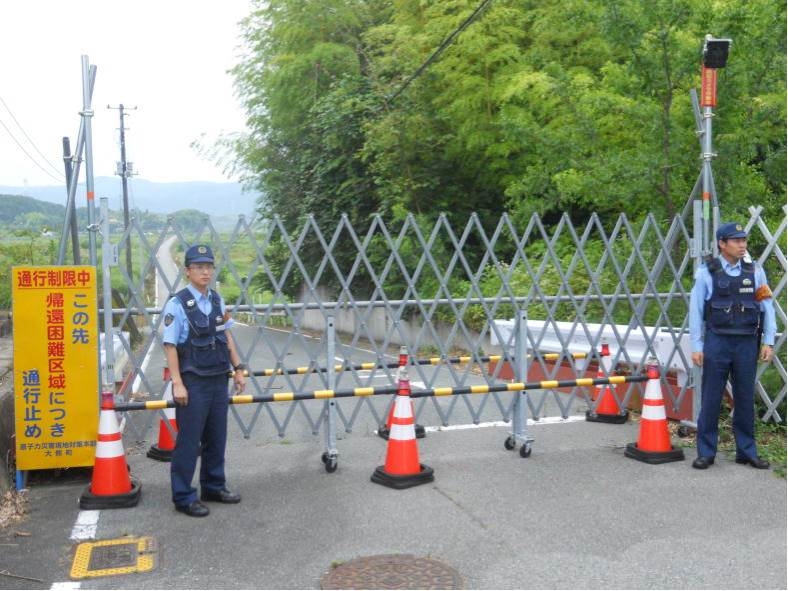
<point>114,557</point>
<point>392,571</point>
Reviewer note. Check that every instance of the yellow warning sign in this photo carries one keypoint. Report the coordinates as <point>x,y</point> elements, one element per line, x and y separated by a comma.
<point>56,343</point>
<point>120,556</point>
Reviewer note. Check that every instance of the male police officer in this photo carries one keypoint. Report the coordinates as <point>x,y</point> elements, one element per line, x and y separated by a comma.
<point>732,299</point>
<point>200,351</point>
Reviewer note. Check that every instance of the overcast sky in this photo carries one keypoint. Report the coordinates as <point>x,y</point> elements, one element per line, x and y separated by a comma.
<point>166,57</point>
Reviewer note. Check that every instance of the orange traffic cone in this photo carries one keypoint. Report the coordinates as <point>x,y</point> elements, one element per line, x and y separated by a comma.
<point>384,431</point>
<point>653,445</point>
<point>111,487</point>
<point>402,468</point>
<point>606,409</point>
<point>168,427</point>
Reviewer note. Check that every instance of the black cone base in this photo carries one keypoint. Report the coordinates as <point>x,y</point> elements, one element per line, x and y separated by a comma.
<point>383,432</point>
<point>396,481</point>
<point>654,457</point>
<point>616,419</point>
<point>90,501</point>
<point>162,455</point>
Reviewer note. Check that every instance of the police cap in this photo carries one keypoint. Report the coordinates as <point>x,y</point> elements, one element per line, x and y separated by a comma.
<point>199,253</point>
<point>731,230</point>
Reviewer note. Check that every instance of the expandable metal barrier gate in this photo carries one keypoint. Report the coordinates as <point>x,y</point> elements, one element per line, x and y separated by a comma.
<point>518,435</point>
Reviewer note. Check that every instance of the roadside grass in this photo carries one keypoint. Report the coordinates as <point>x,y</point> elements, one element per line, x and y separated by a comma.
<point>769,437</point>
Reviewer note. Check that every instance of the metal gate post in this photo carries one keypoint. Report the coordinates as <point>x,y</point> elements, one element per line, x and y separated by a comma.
<point>696,373</point>
<point>108,377</point>
<point>329,456</point>
<point>87,114</point>
<point>519,419</point>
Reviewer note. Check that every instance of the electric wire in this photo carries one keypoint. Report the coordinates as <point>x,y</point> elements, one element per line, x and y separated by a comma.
<point>32,143</point>
<point>441,48</point>
<point>32,159</point>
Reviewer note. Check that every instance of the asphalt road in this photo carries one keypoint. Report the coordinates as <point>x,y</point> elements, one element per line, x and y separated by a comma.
<point>576,514</point>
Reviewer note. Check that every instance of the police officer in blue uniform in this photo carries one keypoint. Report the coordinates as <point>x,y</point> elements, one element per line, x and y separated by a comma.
<point>732,301</point>
<point>200,351</point>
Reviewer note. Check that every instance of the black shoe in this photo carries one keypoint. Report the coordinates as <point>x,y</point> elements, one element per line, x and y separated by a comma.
<point>755,462</point>
<point>220,496</point>
<point>193,509</point>
<point>702,462</point>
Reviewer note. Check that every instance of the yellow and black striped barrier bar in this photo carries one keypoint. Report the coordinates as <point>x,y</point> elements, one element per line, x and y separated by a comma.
<point>518,386</point>
<point>258,398</point>
<point>358,392</point>
<point>430,361</point>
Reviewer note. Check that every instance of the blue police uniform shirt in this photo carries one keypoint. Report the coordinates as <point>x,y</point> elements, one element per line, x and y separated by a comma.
<point>177,331</point>
<point>701,291</point>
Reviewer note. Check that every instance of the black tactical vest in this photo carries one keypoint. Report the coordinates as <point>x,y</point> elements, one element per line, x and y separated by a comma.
<point>732,308</point>
<point>205,350</point>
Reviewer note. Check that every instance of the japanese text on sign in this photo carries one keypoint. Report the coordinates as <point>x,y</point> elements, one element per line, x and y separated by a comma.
<point>56,366</point>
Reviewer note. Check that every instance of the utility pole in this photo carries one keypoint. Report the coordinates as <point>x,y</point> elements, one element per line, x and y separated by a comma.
<point>124,170</point>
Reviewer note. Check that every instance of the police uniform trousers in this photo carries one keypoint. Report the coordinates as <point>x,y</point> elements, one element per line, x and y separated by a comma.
<point>202,431</point>
<point>724,356</point>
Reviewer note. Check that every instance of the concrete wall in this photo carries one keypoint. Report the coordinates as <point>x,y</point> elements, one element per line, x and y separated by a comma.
<point>377,325</point>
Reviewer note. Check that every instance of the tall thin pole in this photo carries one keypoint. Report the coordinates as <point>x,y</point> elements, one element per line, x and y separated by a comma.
<point>72,187</point>
<point>108,379</point>
<point>72,219</point>
<point>125,173</point>
<point>87,114</point>
<point>708,101</point>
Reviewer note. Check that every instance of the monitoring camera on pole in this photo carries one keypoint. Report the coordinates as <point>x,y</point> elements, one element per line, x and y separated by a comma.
<point>715,52</point>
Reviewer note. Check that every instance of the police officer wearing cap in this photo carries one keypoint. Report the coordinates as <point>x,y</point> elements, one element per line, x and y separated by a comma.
<point>732,304</point>
<point>200,351</point>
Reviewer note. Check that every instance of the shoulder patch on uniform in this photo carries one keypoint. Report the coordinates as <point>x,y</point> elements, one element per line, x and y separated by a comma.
<point>763,293</point>
<point>168,319</point>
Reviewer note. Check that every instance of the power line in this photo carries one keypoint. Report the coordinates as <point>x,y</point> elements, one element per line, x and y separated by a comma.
<point>32,143</point>
<point>33,160</point>
<point>441,48</point>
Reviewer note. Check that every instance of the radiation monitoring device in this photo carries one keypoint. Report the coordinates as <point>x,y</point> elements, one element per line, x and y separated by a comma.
<point>715,52</point>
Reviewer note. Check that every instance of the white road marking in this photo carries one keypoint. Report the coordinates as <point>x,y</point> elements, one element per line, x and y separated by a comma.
<point>66,585</point>
<point>86,525</point>
<point>84,529</point>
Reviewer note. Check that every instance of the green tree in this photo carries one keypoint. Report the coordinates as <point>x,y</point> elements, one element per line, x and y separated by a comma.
<point>550,107</point>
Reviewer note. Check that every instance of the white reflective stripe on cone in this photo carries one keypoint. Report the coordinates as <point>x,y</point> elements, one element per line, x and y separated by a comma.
<point>402,432</point>
<point>653,413</point>
<point>109,449</point>
<point>168,412</point>
<point>402,408</point>
<point>108,423</point>
<point>653,391</point>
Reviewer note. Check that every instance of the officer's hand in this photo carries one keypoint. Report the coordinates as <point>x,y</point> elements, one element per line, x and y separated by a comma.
<point>180,394</point>
<point>767,352</point>
<point>697,359</point>
<point>240,381</point>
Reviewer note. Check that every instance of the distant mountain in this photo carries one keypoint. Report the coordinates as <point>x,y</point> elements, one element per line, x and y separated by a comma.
<point>214,199</point>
